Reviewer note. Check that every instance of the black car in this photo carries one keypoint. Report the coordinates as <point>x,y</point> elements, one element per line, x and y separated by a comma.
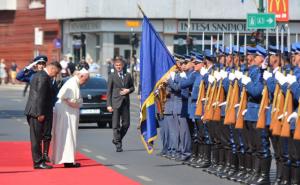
<point>93,109</point>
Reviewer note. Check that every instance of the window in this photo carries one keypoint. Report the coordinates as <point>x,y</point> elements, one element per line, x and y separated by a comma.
<point>35,4</point>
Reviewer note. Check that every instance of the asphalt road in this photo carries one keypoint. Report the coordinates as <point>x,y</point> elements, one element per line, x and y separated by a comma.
<point>134,162</point>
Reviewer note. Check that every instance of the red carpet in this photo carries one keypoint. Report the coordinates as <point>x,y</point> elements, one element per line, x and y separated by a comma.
<point>16,168</point>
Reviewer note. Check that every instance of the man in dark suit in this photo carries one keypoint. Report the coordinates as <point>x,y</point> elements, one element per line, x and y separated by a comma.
<point>120,85</point>
<point>39,110</point>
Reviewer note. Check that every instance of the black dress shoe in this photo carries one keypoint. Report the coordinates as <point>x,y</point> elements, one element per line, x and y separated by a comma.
<point>119,149</point>
<point>42,165</point>
<point>72,165</point>
<point>46,158</point>
<point>114,142</point>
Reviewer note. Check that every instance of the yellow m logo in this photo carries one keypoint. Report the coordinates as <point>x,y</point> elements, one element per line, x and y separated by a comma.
<point>278,5</point>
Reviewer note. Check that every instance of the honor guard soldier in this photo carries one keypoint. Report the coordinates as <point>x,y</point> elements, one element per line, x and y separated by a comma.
<point>294,120</point>
<point>258,147</point>
<point>193,81</point>
<point>180,112</point>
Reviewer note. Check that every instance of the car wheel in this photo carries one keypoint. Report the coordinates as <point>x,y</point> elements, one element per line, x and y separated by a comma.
<point>101,125</point>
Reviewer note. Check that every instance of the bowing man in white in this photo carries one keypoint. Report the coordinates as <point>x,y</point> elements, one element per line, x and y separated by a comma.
<point>66,120</point>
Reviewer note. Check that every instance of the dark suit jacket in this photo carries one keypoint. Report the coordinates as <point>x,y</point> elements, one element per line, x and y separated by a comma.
<point>114,85</point>
<point>40,100</point>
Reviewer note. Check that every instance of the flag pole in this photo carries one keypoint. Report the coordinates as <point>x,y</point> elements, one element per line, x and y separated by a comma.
<point>140,8</point>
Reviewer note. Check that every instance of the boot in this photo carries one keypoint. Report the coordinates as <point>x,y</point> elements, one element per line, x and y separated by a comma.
<point>249,169</point>
<point>46,151</point>
<point>206,162</point>
<point>221,161</point>
<point>286,174</point>
<point>255,172</point>
<point>223,173</point>
<point>199,159</point>
<point>214,160</point>
<point>264,175</point>
<point>279,172</point>
<point>295,175</point>
<point>241,169</point>
<point>233,166</point>
<point>194,154</point>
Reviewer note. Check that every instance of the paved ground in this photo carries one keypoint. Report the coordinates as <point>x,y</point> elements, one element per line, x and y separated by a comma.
<point>134,162</point>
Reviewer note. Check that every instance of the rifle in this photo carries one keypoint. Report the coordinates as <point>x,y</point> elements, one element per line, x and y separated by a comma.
<point>288,104</point>
<point>208,113</point>
<point>276,128</point>
<point>219,98</point>
<point>274,104</point>
<point>297,129</point>
<point>199,104</point>
<point>243,104</point>
<point>230,117</point>
<point>261,122</point>
<point>285,131</point>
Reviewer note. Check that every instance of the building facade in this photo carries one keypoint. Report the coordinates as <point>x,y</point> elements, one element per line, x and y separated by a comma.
<point>106,27</point>
<point>25,32</point>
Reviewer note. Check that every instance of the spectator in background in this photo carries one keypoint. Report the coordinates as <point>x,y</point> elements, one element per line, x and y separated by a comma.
<point>110,66</point>
<point>3,73</point>
<point>82,64</point>
<point>64,64</point>
<point>13,72</point>
<point>94,67</point>
<point>71,66</point>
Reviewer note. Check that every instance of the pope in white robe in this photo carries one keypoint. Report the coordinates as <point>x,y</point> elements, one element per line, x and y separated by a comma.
<point>66,120</point>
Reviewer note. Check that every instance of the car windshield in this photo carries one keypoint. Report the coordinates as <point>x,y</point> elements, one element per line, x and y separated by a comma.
<point>94,83</point>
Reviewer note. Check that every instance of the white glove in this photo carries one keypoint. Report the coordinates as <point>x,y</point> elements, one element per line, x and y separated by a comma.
<point>246,80</point>
<point>264,65</point>
<point>203,71</point>
<point>278,75</point>
<point>244,112</point>
<point>236,105</point>
<point>223,74</point>
<point>211,79</point>
<point>217,75</point>
<point>183,75</point>
<point>282,80</point>
<point>294,115</point>
<point>223,103</point>
<point>30,66</point>
<point>280,117</point>
<point>267,75</point>
<point>231,76</point>
<point>172,75</point>
<point>291,79</point>
<point>238,74</point>
<point>215,103</point>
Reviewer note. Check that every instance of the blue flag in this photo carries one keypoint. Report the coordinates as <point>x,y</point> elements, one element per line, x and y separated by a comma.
<point>155,62</point>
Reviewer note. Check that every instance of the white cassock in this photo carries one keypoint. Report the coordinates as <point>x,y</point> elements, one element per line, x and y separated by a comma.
<point>65,123</point>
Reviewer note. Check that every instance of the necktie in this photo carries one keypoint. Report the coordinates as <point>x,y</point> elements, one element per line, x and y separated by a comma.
<point>121,75</point>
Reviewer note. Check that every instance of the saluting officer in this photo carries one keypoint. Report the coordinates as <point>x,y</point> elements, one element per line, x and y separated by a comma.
<point>193,81</point>
<point>180,112</point>
<point>258,147</point>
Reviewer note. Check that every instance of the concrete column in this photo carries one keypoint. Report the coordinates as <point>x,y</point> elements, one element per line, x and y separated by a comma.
<point>67,39</point>
<point>107,51</point>
<point>91,41</point>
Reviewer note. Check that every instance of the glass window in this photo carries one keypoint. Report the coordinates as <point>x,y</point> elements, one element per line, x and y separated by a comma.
<point>34,4</point>
<point>122,39</point>
<point>94,83</point>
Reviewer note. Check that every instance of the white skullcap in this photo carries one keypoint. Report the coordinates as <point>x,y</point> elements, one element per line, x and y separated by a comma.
<point>84,71</point>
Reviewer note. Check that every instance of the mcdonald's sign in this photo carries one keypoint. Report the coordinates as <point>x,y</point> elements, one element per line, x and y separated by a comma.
<point>280,8</point>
